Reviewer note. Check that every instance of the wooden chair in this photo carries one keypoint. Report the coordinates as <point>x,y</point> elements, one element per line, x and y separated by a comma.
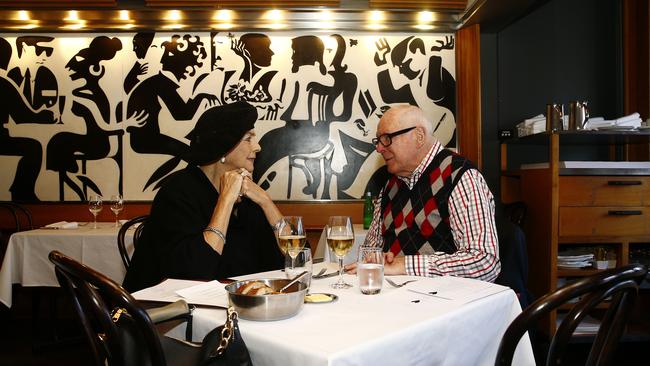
<point>121,245</point>
<point>621,284</point>
<point>118,329</point>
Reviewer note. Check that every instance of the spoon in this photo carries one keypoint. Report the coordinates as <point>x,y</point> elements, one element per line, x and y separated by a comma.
<point>294,280</point>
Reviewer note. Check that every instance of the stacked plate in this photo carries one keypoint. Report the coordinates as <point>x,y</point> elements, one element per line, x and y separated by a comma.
<point>575,261</point>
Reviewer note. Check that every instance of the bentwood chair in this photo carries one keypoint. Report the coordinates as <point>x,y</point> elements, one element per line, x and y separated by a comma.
<point>121,245</point>
<point>621,284</point>
<point>118,329</point>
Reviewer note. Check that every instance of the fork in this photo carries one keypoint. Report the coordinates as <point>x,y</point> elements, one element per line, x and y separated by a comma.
<point>397,285</point>
<point>320,273</point>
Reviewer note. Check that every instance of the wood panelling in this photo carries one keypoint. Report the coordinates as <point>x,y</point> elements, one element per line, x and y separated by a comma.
<point>242,3</point>
<point>430,5</point>
<point>315,214</point>
<point>468,93</point>
<point>636,73</point>
<point>28,4</point>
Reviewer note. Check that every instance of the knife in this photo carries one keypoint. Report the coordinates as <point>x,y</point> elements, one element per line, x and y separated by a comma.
<point>328,275</point>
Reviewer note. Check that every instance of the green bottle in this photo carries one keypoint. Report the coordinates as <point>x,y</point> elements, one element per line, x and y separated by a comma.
<point>368,210</point>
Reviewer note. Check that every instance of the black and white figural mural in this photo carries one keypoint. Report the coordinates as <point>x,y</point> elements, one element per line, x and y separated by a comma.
<point>107,114</point>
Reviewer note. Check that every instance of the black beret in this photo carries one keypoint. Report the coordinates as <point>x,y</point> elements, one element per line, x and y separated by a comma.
<point>219,130</point>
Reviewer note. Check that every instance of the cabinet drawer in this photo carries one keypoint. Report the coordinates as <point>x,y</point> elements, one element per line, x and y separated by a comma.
<point>604,221</point>
<point>604,191</point>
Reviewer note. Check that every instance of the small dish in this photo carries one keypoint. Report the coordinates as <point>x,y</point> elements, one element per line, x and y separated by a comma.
<point>320,298</point>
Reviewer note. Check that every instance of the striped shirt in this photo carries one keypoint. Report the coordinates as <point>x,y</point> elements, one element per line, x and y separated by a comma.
<point>471,212</point>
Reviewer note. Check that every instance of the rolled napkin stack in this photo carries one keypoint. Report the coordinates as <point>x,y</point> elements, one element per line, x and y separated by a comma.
<point>63,225</point>
<point>632,120</point>
<point>532,125</point>
<point>594,123</point>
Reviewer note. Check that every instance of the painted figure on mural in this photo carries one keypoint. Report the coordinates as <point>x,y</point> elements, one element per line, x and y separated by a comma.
<point>335,101</point>
<point>254,83</point>
<point>181,58</point>
<point>16,109</point>
<point>412,70</point>
<point>141,43</point>
<point>91,104</point>
<point>36,81</point>
<point>304,139</point>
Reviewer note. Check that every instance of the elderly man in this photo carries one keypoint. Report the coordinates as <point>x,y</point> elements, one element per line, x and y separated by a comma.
<point>436,211</point>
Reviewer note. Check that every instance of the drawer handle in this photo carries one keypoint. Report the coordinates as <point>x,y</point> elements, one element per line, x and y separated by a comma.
<point>624,183</point>
<point>624,212</point>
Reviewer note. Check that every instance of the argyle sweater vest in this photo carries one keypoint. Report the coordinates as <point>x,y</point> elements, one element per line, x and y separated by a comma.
<point>416,221</point>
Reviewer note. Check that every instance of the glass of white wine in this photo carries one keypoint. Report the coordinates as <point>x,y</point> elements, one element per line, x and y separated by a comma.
<point>117,205</point>
<point>95,207</point>
<point>340,238</point>
<point>292,237</point>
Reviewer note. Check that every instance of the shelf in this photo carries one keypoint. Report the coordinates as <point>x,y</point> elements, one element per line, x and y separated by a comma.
<point>577,272</point>
<point>581,240</point>
<point>584,138</point>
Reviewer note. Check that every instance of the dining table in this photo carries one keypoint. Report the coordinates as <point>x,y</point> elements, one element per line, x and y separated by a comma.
<point>431,321</point>
<point>26,258</point>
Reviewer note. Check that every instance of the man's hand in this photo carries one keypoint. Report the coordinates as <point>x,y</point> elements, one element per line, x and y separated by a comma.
<point>394,265</point>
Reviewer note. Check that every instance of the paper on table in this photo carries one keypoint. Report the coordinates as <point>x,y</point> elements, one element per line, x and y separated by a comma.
<point>164,291</point>
<point>464,290</point>
<point>63,225</point>
<point>170,290</point>
<point>207,293</point>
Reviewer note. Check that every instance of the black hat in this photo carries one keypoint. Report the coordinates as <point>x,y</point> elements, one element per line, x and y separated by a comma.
<point>219,130</point>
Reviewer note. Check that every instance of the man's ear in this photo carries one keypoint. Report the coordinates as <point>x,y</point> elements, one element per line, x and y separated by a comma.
<point>419,135</point>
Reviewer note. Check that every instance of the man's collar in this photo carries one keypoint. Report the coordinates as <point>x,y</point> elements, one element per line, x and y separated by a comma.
<point>424,163</point>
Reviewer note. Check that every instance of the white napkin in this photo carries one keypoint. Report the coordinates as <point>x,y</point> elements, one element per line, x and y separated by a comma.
<point>629,117</point>
<point>63,225</point>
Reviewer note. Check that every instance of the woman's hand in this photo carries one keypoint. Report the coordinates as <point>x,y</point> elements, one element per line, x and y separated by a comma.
<point>251,190</point>
<point>230,185</point>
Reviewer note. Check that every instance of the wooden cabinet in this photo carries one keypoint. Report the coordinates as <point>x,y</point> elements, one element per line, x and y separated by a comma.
<point>571,207</point>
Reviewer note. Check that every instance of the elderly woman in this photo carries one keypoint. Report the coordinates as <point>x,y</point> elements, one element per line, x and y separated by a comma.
<point>210,220</point>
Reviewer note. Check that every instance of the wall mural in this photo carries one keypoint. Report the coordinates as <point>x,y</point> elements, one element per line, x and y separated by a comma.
<point>88,113</point>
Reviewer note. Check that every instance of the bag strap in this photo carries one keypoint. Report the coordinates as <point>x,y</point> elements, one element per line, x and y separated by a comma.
<point>226,332</point>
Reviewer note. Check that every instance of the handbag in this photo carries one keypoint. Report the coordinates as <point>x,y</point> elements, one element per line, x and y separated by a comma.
<point>223,346</point>
<point>231,349</point>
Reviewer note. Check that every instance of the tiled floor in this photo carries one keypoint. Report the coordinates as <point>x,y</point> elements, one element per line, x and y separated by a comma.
<point>22,343</point>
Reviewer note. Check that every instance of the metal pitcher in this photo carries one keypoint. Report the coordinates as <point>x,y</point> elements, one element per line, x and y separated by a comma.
<point>578,115</point>
<point>554,114</point>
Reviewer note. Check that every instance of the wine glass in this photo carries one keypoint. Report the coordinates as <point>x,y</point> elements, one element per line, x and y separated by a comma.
<point>117,204</point>
<point>95,207</point>
<point>340,238</point>
<point>291,236</point>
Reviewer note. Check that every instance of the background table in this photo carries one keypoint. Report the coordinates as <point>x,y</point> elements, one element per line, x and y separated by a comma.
<point>323,251</point>
<point>26,261</point>
<point>395,327</point>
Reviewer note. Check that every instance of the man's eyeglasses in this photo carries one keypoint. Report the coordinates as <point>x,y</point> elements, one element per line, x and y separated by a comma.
<point>387,138</point>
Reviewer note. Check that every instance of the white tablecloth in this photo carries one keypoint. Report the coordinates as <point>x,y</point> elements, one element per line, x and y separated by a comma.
<point>395,327</point>
<point>323,251</point>
<point>26,261</point>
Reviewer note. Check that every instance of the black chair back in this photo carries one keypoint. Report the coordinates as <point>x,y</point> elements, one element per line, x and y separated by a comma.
<point>621,284</point>
<point>126,258</point>
<point>96,300</point>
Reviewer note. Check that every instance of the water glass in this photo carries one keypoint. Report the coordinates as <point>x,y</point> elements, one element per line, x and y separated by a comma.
<point>117,205</point>
<point>95,207</point>
<point>303,262</point>
<point>370,270</point>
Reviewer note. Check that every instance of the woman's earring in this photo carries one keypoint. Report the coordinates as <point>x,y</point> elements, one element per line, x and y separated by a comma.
<point>223,159</point>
